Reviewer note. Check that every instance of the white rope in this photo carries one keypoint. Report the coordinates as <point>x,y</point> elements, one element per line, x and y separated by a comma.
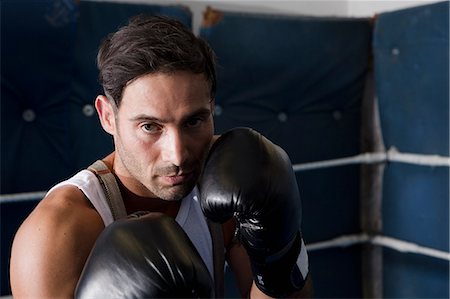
<point>428,160</point>
<point>18,197</point>
<point>392,155</point>
<point>399,245</point>
<point>343,241</point>
<point>366,158</point>
<point>409,247</point>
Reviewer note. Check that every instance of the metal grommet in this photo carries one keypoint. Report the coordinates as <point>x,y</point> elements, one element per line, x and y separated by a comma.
<point>282,117</point>
<point>395,51</point>
<point>218,110</point>
<point>28,115</point>
<point>88,110</point>
<point>337,115</point>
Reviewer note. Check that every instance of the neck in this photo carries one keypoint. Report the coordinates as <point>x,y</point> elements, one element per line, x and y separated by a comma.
<point>135,203</point>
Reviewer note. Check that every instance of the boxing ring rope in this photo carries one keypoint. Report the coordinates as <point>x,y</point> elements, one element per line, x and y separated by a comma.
<point>399,245</point>
<point>24,196</point>
<point>392,155</point>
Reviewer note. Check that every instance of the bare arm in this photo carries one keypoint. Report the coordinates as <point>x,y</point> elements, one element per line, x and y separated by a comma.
<point>51,246</point>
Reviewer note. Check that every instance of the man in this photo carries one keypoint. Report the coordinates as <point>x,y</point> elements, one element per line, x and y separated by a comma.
<point>159,84</point>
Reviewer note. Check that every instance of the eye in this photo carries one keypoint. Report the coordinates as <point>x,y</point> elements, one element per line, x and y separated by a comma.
<point>194,122</point>
<point>150,128</point>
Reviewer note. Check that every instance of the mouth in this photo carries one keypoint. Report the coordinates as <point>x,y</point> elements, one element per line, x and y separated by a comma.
<point>177,179</point>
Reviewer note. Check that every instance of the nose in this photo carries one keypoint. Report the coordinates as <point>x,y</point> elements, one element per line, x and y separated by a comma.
<point>174,147</point>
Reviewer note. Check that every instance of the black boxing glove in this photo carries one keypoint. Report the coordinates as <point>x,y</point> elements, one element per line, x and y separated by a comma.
<point>249,177</point>
<point>144,257</point>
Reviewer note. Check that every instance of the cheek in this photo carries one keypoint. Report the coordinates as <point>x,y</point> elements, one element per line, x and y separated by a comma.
<point>145,154</point>
<point>131,135</point>
<point>131,140</point>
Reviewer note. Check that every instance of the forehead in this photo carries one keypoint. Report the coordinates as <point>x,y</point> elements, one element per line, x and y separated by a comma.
<point>166,94</point>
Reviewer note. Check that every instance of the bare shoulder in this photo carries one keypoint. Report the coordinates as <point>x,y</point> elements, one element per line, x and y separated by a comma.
<point>52,244</point>
<point>65,208</point>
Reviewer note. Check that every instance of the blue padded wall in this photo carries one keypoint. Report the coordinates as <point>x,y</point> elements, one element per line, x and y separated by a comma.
<point>36,58</point>
<point>411,49</point>
<point>49,129</point>
<point>300,81</point>
<point>412,58</point>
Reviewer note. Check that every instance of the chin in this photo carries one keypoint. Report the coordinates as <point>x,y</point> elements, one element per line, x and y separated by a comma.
<point>175,193</point>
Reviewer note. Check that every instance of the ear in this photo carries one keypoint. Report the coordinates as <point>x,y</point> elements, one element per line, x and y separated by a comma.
<point>106,115</point>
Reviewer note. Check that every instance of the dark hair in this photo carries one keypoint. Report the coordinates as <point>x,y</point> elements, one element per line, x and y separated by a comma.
<point>151,44</point>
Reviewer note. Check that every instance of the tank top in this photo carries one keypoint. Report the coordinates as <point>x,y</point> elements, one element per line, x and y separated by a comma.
<point>190,216</point>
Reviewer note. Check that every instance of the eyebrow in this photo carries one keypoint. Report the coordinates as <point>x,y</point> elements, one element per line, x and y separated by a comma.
<point>145,117</point>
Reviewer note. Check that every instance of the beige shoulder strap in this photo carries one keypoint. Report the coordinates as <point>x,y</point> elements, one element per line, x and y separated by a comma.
<point>110,187</point>
<point>218,257</point>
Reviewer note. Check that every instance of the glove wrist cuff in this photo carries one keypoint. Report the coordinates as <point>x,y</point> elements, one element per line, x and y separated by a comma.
<point>278,275</point>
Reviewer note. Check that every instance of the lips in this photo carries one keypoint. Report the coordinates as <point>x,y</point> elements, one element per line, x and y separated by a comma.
<point>176,179</point>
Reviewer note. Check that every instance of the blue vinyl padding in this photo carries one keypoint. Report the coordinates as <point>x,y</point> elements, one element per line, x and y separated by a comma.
<point>411,54</point>
<point>416,204</point>
<point>310,106</point>
<point>414,276</point>
<point>36,57</point>
<point>48,56</point>
<point>300,81</point>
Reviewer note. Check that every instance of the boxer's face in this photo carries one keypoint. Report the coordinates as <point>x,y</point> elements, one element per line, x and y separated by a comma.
<point>163,129</point>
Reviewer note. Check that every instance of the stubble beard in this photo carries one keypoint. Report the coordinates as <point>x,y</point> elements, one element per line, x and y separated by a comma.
<point>172,193</point>
<point>149,181</point>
